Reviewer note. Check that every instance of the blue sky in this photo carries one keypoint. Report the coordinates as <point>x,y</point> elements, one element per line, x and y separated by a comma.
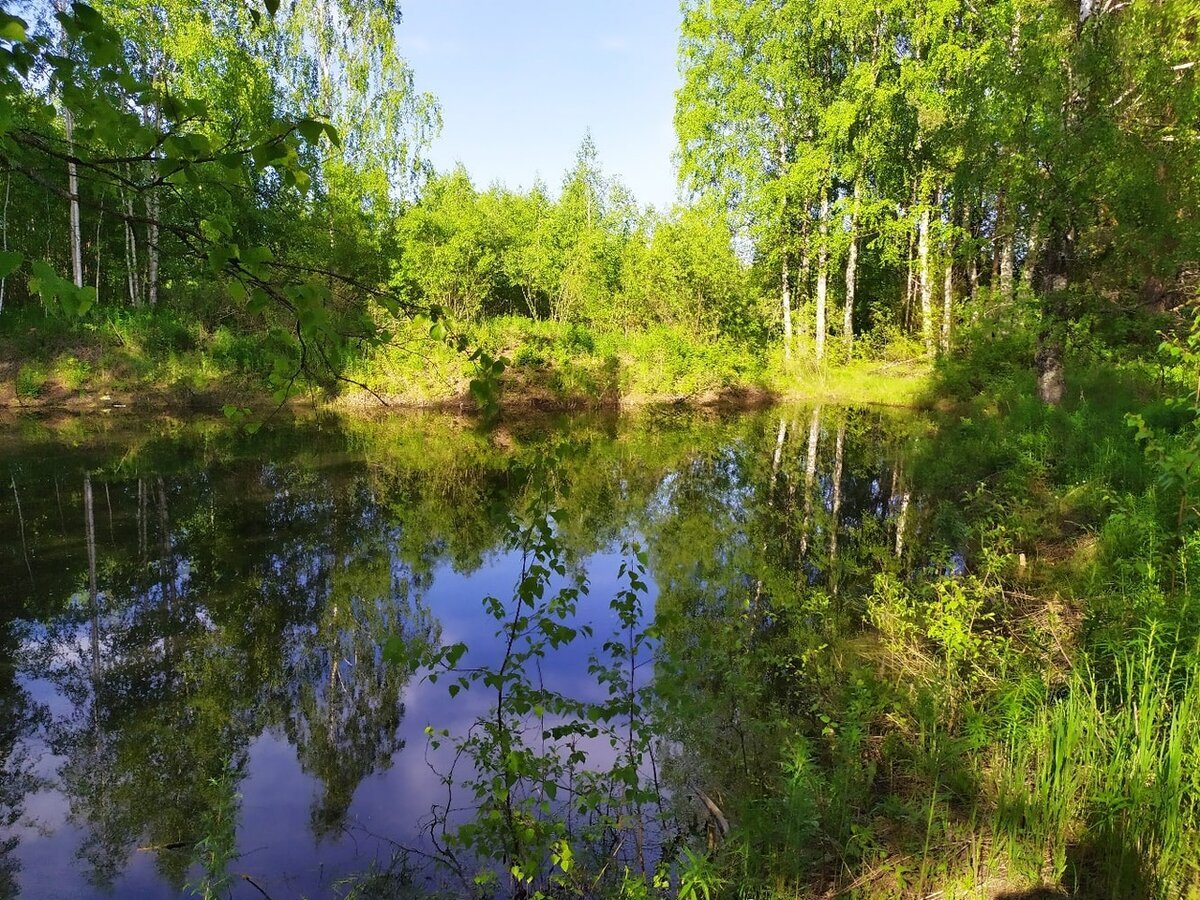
<point>520,81</point>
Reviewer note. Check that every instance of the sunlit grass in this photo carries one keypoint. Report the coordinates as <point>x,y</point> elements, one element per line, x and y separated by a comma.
<point>901,383</point>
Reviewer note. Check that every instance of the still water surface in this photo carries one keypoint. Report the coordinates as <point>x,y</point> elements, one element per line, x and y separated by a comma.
<point>193,619</point>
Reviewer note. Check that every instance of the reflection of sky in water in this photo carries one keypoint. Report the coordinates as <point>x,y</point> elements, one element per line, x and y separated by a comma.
<point>274,832</point>
<point>273,515</point>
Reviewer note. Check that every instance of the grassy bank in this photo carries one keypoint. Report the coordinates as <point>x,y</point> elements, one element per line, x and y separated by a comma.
<point>157,362</point>
<point>1020,717</point>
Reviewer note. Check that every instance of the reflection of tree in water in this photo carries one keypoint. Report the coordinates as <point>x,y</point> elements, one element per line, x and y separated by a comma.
<point>759,556</point>
<point>347,704</point>
<point>20,717</point>
<point>158,708</point>
<point>181,645</point>
<point>235,596</point>
<point>345,708</point>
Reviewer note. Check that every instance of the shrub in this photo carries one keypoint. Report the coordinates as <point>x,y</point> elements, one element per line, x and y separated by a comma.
<point>31,378</point>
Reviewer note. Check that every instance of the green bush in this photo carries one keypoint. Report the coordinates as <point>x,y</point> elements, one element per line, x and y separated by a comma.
<point>72,373</point>
<point>31,378</point>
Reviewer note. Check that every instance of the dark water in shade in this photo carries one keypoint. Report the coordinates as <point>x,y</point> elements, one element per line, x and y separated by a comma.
<point>229,666</point>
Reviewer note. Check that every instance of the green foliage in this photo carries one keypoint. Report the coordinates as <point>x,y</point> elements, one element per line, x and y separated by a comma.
<point>30,379</point>
<point>560,364</point>
<point>588,257</point>
<point>218,847</point>
<point>544,812</point>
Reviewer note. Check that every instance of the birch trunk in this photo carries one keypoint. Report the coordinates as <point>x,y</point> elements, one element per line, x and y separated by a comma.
<point>73,192</point>
<point>1059,253</point>
<point>851,275</point>
<point>803,274</point>
<point>152,208</point>
<point>787,307</point>
<point>132,270</point>
<point>926,283</point>
<point>99,225</point>
<point>947,303</point>
<point>910,284</point>
<point>776,460</point>
<point>165,568</point>
<point>1048,360</point>
<point>785,264</point>
<point>142,516</point>
<point>972,261</point>
<point>1004,245</point>
<point>822,274</point>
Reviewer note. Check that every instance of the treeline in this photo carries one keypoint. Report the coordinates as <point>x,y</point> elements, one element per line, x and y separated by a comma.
<point>589,255</point>
<point>930,156</point>
<point>897,167</point>
<point>264,169</point>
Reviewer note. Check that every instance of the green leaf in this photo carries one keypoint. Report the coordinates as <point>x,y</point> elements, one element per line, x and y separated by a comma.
<point>396,650</point>
<point>11,28</point>
<point>86,17</point>
<point>311,130</point>
<point>9,261</point>
<point>259,300</point>
<point>85,299</point>
<point>256,255</point>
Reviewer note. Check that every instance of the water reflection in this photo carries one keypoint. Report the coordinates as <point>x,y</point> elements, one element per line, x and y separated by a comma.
<point>204,630</point>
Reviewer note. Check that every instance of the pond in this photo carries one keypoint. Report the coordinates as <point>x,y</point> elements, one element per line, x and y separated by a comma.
<point>215,644</point>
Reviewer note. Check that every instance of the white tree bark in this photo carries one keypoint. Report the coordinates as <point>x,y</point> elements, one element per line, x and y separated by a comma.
<point>785,274</point>
<point>21,527</point>
<point>851,275</point>
<point>822,274</point>
<point>99,225</point>
<point>73,191</point>
<point>1005,249</point>
<point>972,260</point>
<point>152,208</point>
<point>947,302</point>
<point>926,283</point>
<point>777,458</point>
<point>132,270</point>
<point>787,307</point>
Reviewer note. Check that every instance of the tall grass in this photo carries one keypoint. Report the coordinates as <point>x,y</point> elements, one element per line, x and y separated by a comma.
<point>1102,786</point>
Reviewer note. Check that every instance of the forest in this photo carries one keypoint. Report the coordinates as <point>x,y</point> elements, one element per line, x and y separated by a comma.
<point>878,454</point>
